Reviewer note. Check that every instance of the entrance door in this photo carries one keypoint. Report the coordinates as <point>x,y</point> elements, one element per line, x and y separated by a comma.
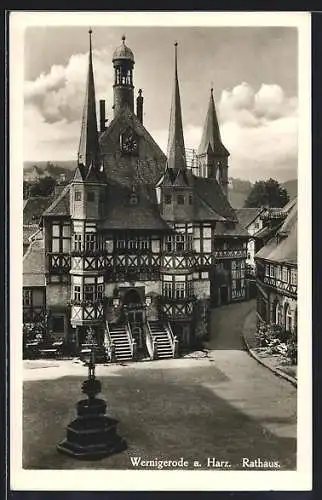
<point>134,313</point>
<point>223,295</point>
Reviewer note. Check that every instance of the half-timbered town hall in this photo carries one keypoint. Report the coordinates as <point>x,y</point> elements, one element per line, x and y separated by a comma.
<point>139,244</point>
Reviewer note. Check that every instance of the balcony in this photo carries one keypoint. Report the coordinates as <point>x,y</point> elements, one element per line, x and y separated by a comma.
<point>279,285</point>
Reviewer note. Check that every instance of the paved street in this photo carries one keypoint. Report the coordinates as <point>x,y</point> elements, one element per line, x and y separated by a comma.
<point>226,405</point>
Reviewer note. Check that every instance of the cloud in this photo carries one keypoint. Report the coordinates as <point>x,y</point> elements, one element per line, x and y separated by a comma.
<point>59,94</point>
<point>260,129</point>
<point>258,126</point>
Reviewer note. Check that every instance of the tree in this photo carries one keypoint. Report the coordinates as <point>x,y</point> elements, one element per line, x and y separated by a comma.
<point>267,194</point>
<point>43,187</point>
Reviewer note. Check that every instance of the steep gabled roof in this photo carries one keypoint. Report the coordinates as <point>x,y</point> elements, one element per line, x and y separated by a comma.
<point>61,205</point>
<point>248,215</point>
<point>176,148</point>
<point>211,138</point>
<point>34,265</point>
<point>124,119</point>
<point>209,190</point>
<point>121,214</point>
<point>89,160</point>
<point>283,246</point>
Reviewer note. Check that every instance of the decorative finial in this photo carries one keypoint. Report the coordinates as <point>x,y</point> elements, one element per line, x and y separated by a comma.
<point>176,44</point>
<point>212,87</point>
<point>123,38</point>
<point>90,31</point>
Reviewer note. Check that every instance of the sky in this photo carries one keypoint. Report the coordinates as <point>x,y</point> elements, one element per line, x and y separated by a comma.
<point>253,71</point>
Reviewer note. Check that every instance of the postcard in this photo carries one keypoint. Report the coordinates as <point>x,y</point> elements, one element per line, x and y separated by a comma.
<point>160,174</point>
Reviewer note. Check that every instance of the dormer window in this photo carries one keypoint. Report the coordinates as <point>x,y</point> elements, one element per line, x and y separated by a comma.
<point>78,196</point>
<point>180,199</point>
<point>168,199</point>
<point>91,196</point>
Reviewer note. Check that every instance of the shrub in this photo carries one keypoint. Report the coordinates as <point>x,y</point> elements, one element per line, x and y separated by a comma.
<point>278,341</point>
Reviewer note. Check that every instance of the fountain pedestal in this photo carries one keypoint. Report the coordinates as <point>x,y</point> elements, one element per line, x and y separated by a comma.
<point>93,434</point>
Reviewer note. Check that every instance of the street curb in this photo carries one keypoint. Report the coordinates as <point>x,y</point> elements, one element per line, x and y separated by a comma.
<point>276,371</point>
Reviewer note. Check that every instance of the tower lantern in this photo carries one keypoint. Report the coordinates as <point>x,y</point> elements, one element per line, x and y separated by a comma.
<point>123,62</point>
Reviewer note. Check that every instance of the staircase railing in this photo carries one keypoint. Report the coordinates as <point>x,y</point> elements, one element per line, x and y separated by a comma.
<point>173,340</point>
<point>132,341</point>
<point>109,344</point>
<point>149,341</point>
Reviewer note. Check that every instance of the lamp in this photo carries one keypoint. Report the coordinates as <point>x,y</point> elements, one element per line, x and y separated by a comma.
<point>116,301</point>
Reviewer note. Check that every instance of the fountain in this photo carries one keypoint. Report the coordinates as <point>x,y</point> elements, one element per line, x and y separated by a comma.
<point>93,434</point>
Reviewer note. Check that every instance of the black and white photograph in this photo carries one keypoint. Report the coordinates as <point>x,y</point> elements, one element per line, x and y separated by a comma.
<point>160,296</point>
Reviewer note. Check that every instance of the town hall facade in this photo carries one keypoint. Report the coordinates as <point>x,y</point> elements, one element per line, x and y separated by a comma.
<point>139,245</point>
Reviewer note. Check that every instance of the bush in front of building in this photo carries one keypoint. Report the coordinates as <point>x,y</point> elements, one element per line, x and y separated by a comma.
<point>278,341</point>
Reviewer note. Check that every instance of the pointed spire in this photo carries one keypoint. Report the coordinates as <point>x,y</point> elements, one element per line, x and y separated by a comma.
<point>211,139</point>
<point>176,147</point>
<point>88,151</point>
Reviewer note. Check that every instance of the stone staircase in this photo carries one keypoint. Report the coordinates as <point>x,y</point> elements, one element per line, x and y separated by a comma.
<point>164,348</point>
<point>122,346</point>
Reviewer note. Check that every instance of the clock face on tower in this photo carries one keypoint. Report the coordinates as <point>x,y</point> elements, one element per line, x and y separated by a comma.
<point>129,143</point>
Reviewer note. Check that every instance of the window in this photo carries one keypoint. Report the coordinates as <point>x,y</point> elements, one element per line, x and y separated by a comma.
<point>90,241</point>
<point>133,244</point>
<point>27,298</point>
<point>168,199</point>
<point>78,196</point>
<point>285,274</point>
<point>77,242</point>
<point>144,244</point>
<point>169,244</point>
<point>179,290</point>
<point>167,289</point>
<point>77,293</point>
<point>272,271</point>
<point>256,225</point>
<point>58,323</point>
<point>278,314</point>
<point>248,256</point>
<point>89,293</point>
<point>278,272</point>
<point>287,318</point>
<point>120,244</point>
<point>293,277</point>
<point>180,199</point>
<point>90,196</point>
<point>267,270</point>
<point>190,199</point>
<point>100,291</point>
<point>189,241</point>
<point>189,288</point>
<point>60,242</point>
<point>180,242</point>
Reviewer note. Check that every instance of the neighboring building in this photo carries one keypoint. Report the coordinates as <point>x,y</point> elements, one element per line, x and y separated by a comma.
<point>137,246</point>
<point>250,218</point>
<point>276,265</point>
<point>33,208</point>
<point>34,282</point>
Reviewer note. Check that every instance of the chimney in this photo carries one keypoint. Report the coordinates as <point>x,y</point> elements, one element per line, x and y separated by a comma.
<point>139,106</point>
<point>102,116</point>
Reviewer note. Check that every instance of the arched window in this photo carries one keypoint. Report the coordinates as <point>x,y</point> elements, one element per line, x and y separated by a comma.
<point>287,318</point>
<point>278,313</point>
